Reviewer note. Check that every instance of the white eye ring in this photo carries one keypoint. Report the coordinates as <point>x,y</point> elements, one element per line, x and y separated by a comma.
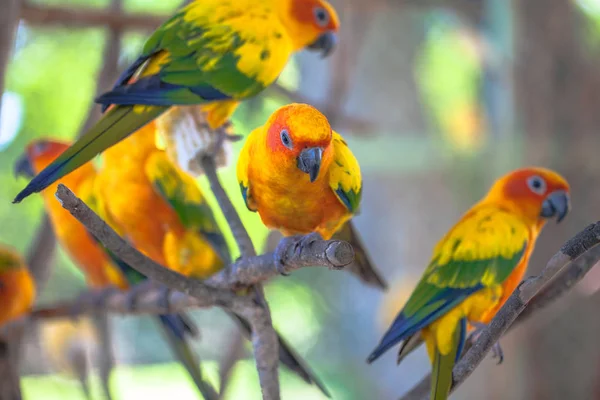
<point>322,16</point>
<point>285,139</point>
<point>536,184</point>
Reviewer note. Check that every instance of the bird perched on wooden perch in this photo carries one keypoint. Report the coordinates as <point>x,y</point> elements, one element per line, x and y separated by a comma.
<point>99,267</point>
<point>302,179</point>
<point>475,268</point>
<point>161,211</point>
<point>211,52</point>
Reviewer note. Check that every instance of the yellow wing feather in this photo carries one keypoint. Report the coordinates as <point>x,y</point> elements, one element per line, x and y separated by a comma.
<point>488,241</point>
<point>344,174</point>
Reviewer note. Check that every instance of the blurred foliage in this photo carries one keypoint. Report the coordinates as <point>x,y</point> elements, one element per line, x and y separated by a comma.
<point>448,72</point>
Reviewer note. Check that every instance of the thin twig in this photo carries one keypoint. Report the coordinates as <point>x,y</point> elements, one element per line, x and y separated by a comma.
<point>240,234</point>
<point>264,338</point>
<point>566,264</point>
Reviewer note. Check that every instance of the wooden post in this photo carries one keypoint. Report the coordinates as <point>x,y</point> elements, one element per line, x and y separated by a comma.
<point>9,19</point>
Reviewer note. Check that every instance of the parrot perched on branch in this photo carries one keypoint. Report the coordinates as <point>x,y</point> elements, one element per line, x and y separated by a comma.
<point>161,210</point>
<point>99,267</point>
<point>475,268</point>
<point>17,288</point>
<point>211,52</point>
<point>301,178</point>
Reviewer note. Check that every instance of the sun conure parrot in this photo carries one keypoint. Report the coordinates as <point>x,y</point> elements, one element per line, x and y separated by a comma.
<point>100,268</point>
<point>17,288</point>
<point>210,52</point>
<point>302,179</point>
<point>161,210</point>
<point>476,267</point>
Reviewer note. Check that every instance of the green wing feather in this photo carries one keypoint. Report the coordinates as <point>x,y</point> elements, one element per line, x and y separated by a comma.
<point>183,195</point>
<point>480,251</point>
<point>344,175</point>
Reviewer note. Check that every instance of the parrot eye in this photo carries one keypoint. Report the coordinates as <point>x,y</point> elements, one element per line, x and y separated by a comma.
<point>285,139</point>
<point>321,16</point>
<point>536,184</point>
<point>40,148</point>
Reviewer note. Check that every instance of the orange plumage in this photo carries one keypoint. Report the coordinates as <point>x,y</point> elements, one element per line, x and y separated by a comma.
<point>97,268</point>
<point>301,177</point>
<point>17,288</point>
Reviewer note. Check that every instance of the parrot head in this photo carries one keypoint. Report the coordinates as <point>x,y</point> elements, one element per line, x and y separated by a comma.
<point>38,154</point>
<point>536,194</point>
<point>313,25</point>
<point>300,137</point>
<point>9,259</point>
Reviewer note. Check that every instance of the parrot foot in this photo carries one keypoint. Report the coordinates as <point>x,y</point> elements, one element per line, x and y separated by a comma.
<point>497,351</point>
<point>134,293</point>
<point>299,242</point>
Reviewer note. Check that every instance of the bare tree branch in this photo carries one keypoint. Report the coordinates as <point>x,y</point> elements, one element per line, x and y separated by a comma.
<point>576,257</point>
<point>194,293</point>
<point>86,17</point>
<point>264,338</point>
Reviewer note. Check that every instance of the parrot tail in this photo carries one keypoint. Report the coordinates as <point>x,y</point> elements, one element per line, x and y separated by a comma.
<point>175,328</point>
<point>408,345</point>
<point>287,356</point>
<point>114,126</point>
<point>362,266</point>
<point>441,376</point>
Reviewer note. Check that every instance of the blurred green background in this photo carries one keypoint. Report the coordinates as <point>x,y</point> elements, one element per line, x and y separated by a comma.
<point>436,99</point>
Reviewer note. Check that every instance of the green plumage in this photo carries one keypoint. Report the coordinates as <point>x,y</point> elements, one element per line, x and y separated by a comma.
<point>183,195</point>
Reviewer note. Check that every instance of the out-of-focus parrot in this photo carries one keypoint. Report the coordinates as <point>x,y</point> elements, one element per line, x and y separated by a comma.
<point>100,268</point>
<point>301,177</point>
<point>211,52</point>
<point>17,288</point>
<point>476,267</point>
<point>161,210</point>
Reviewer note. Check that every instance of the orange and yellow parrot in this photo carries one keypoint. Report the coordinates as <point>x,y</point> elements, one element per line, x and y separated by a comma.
<point>161,210</point>
<point>211,52</point>
<point>476,267</point>
<point>302,179</point>
<point>99,267</point>
<point>17,288</point>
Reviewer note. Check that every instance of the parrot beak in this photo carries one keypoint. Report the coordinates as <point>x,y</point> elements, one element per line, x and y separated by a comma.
<point>557,204</point>
<point>23,167</point>
<point>325,44</point>
<point>309,161</point>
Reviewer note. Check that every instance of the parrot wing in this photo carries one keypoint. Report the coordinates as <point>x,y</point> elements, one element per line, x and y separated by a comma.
<point>346,182</point>
<point>242,173</point>
<point>480,251</point>
<point>183,195</point>
<point>207,51</point>
<point>344,175</point>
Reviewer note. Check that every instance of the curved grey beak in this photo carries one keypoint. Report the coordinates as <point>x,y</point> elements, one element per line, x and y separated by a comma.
<point>557,204</point>
<point>309,161</point>
<point>23,167</point>
<point>325,44</point>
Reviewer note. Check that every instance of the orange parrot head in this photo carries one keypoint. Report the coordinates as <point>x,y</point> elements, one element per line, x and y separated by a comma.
<point>10,259</point>
<point>536,194</point>
<point>38,155</point>
<point>299,134</point>
<point>312,24</point>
